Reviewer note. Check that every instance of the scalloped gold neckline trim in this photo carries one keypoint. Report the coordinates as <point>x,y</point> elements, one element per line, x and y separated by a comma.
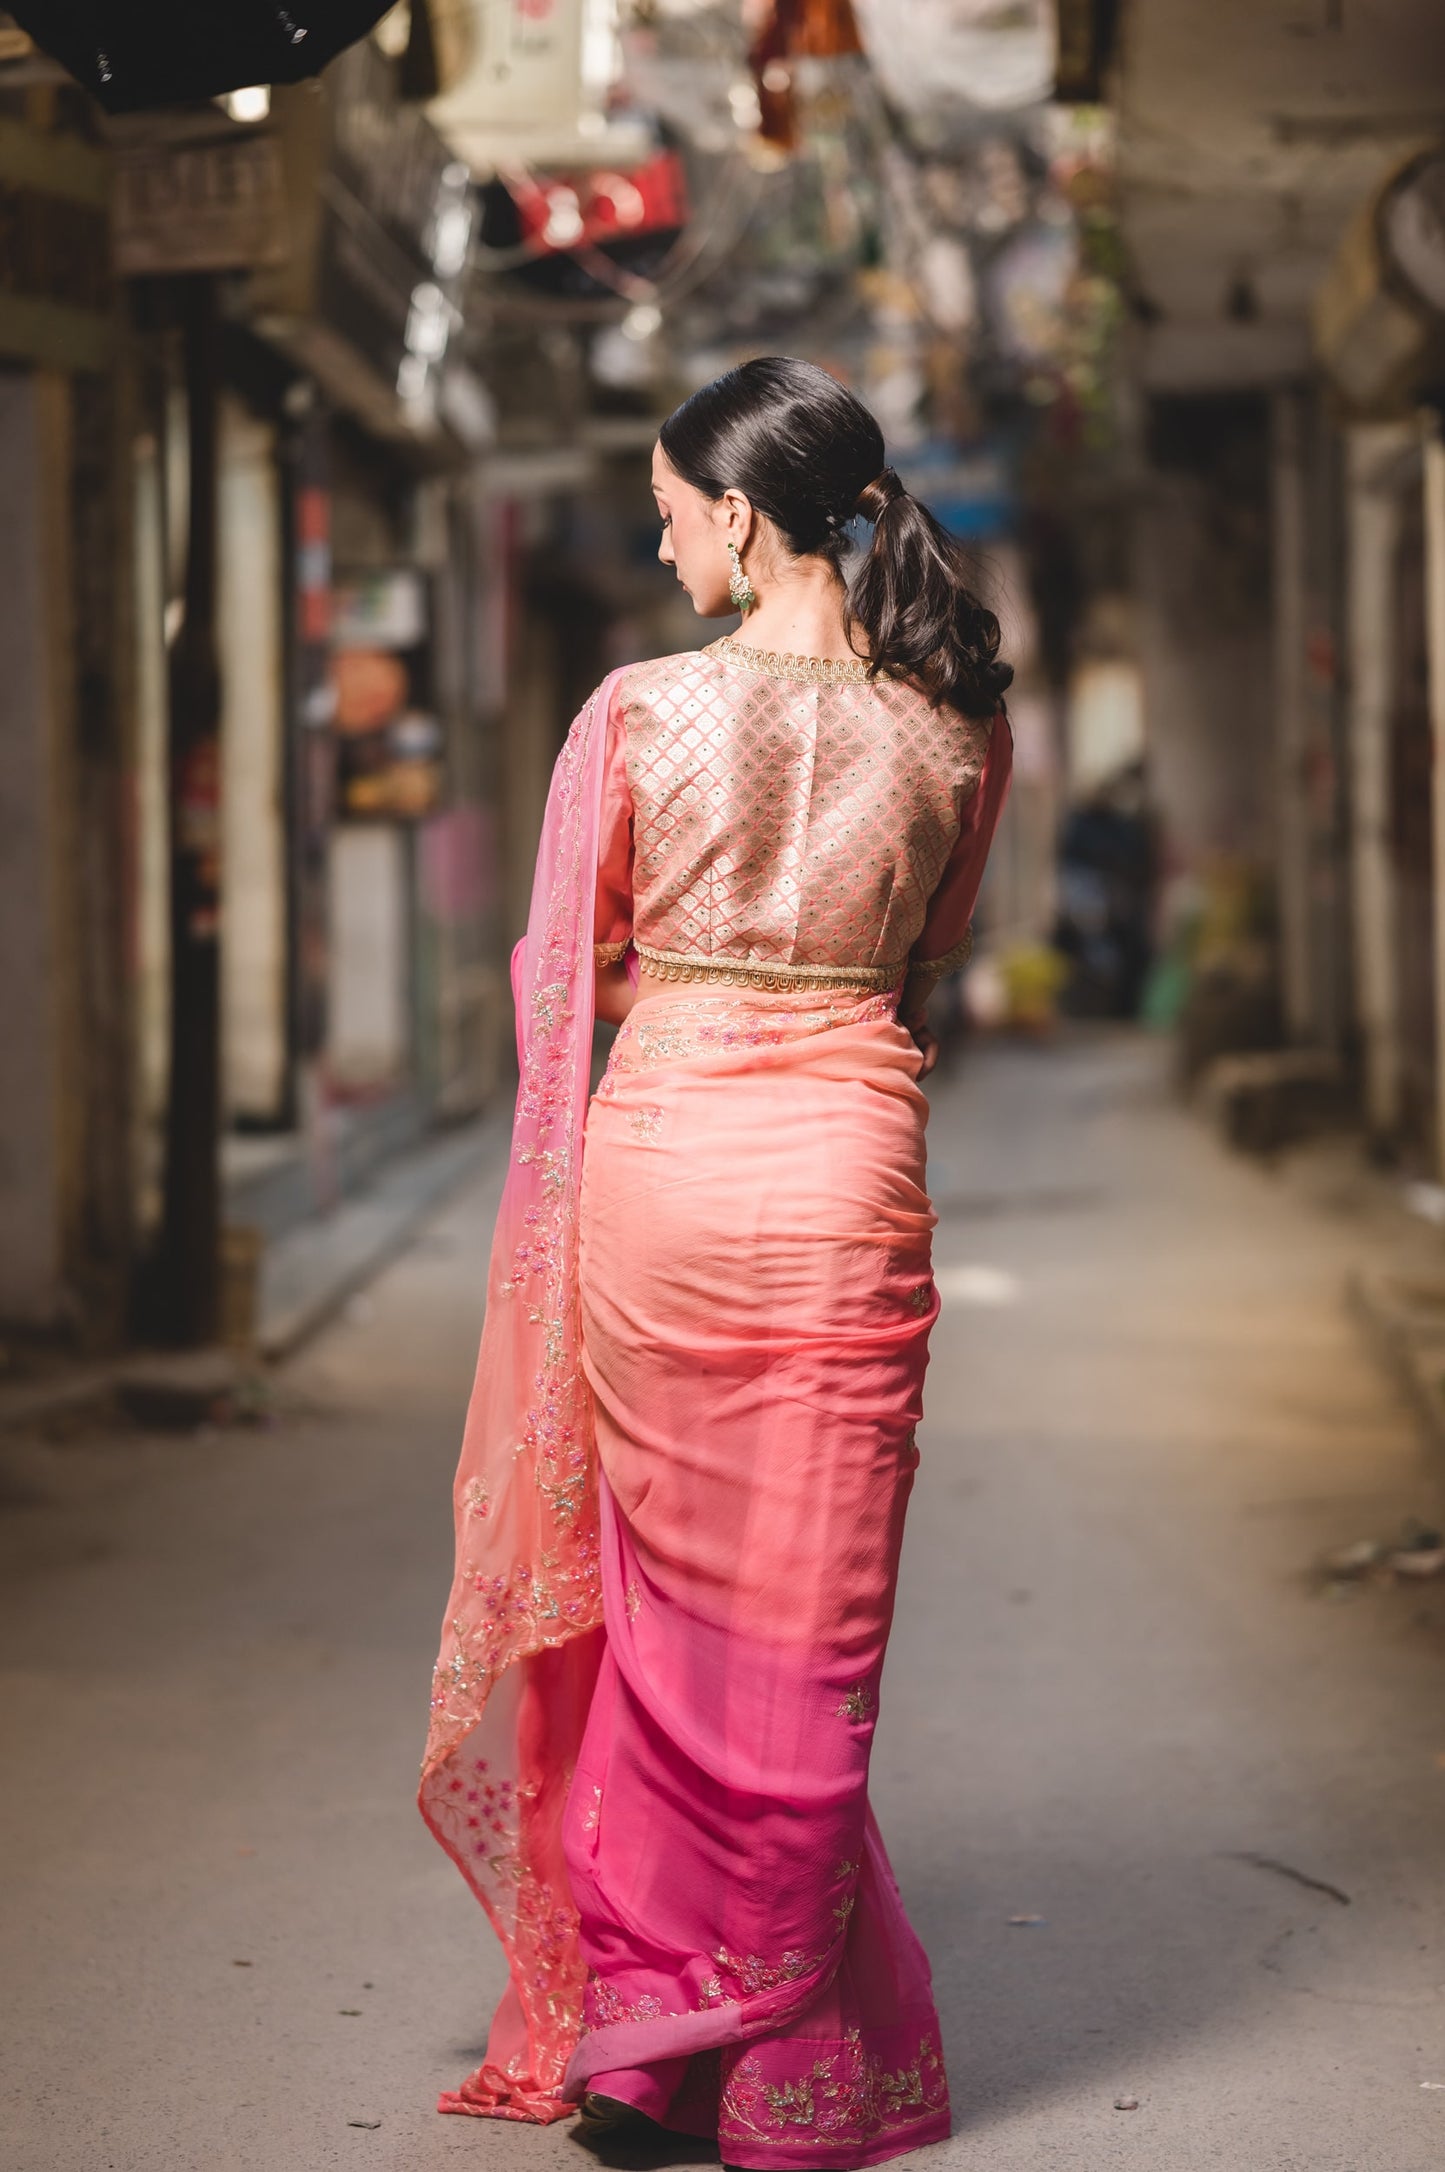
<point>816,670</point>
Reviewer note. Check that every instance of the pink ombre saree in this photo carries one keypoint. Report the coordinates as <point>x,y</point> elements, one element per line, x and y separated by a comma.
<point>756,1306</point>
<point>691,1440</point>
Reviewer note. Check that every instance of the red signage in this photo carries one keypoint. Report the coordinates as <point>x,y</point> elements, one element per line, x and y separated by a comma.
<point>559,213</point>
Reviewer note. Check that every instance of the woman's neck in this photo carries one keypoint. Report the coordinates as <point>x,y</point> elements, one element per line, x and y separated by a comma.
<point>799,614</point>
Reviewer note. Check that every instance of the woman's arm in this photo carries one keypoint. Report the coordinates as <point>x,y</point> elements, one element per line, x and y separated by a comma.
<point>612,920</point>
<point>615,993</point>
<point>946,937</point>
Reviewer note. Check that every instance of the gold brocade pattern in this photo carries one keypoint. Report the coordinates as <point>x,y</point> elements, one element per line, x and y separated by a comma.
<point>792,817</point>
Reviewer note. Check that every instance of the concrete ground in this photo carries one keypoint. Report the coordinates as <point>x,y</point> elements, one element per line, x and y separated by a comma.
<point>1114,1700</point>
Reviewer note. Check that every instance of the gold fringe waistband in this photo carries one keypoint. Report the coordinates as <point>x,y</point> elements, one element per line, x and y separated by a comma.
<point>739,973</point>
<point>934,969</point>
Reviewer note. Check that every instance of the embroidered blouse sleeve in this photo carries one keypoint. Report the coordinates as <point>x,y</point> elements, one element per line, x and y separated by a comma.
<point>612,923</point>
<point>947,937</point>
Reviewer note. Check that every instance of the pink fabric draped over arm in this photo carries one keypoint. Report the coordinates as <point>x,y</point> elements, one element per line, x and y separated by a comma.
<point>612,925</point>
<point>521,1638</point>
<point>945,940</point>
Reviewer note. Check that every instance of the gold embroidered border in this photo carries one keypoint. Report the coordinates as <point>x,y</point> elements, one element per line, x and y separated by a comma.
<point>609,953</point>
<point>933,969</point>
<point>813,670</point>
<point>924,974</point>
<point>741,973</point>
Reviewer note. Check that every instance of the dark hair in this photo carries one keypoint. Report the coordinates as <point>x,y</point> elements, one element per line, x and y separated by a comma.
<point>808,454</point>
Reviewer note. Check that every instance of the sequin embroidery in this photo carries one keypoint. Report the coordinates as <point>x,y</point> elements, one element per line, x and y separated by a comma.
<point>658,1032</point>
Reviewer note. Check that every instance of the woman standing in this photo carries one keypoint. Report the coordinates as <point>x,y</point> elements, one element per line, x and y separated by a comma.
<point>691,1439</point>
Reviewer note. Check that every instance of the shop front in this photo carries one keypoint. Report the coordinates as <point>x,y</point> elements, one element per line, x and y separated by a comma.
<point>359,977</point>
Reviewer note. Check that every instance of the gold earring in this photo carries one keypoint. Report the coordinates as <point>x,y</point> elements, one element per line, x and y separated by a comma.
<point>740,588</point>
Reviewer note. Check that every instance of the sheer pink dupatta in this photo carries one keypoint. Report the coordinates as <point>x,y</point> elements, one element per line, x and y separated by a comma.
<point>521,1641</point>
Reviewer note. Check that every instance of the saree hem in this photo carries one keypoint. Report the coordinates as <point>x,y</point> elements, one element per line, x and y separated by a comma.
<point>839,2157</point>
<point>775,2104</point>
<point>627,2045</point>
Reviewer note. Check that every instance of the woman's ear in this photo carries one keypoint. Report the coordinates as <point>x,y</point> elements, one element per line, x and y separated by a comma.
<point>739,519</point>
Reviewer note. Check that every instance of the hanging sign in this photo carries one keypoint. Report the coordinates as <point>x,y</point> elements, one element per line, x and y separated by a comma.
<point>217,203</point>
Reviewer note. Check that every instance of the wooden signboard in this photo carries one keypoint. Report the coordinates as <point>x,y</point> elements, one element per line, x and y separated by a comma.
<point>209,205</point>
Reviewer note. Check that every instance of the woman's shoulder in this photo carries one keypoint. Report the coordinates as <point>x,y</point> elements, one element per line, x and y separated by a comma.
<point>656,677</point>
<point>961,727</point>
<point>658,689</point>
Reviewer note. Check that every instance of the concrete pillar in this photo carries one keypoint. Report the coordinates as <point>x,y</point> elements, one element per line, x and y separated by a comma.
<point>253,794</point>
<point>1288,515</point>
<point>33,951</point>
<point>1373,453</point>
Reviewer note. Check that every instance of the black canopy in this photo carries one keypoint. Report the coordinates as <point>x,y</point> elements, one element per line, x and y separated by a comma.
<point>132,54</point>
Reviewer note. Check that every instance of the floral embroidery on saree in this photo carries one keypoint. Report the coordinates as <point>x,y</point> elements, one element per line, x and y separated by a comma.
<point>755,1973</point>
<point>709,1024</point>
<point>603,2005</point>
<point>843,2094</point>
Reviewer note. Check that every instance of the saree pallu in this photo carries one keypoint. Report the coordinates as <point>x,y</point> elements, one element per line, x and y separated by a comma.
<point>522,1635</point>
<point>756,1297</point>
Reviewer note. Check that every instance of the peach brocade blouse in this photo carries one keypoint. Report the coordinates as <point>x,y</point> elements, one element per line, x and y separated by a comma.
<point>783,822</point>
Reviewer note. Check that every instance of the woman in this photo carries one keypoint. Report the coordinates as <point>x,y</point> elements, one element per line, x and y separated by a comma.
<point>691,1439</point>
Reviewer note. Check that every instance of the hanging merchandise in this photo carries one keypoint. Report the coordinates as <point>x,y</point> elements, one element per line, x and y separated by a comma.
<point>794,30</point>
<point>1379,313</point>
<point>933,56</point>
<point>389,740</point>
<point>136,54</point>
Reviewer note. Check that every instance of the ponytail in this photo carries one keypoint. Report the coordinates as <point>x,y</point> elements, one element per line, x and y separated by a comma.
<point>911,600</point>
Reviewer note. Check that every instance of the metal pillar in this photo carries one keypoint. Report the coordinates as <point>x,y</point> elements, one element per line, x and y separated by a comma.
<point>1373,453</point>
<point>191,1220</point>
<point>1435,639</point>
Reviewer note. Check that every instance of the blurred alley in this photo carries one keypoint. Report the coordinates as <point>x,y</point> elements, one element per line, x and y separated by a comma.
<point>1113,1680</point>
<point>327,403</point>
<point>325,417</point>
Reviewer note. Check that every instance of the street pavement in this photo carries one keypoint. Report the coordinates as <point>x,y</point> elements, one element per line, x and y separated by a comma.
<point>1169,1814</point>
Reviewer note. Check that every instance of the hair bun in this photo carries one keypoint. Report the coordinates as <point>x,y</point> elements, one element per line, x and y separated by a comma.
<point>875,497</point>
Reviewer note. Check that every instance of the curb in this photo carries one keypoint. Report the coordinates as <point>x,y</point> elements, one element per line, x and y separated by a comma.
<point>309,1274</point>
<point>305,1278</point>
